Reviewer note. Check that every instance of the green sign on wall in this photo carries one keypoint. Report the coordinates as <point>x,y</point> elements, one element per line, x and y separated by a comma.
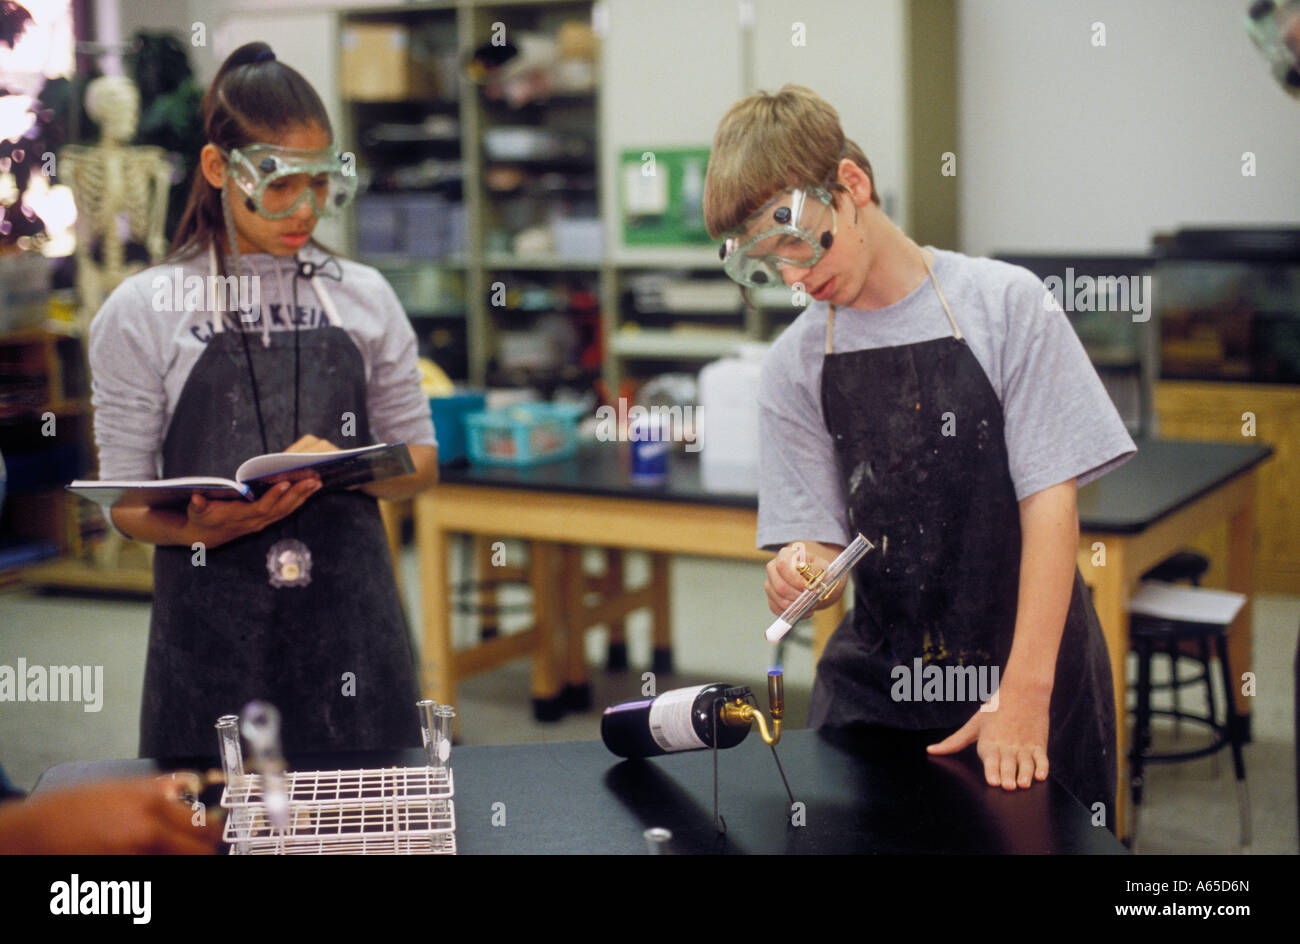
<point>662,194</point>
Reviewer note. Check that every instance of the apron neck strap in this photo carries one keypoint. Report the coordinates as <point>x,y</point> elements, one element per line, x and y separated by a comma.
<point>217,325</point>
<point>956,331</point>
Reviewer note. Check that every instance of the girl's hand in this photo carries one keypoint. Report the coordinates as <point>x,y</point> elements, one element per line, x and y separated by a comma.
<point>1012,729</point>
<point>784,582</point>
<point>216,522</point>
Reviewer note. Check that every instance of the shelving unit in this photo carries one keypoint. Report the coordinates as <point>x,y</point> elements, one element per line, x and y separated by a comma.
<point>45,437</point>
<point>637,99</point>
<point>505,172</point>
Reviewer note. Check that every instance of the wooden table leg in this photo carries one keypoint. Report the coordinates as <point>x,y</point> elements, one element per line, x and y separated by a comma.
<point>392,514</point>
<point>572,624</point>
<point>1104,570</point>
<point>489,590</point>
<point>546,623</point>
<point>614,586</point>
<point>437,665</point>
<point>661,612</point>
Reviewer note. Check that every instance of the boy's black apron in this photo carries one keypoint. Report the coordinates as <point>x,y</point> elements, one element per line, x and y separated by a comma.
<point>334,656</point>
<point>918,432</point>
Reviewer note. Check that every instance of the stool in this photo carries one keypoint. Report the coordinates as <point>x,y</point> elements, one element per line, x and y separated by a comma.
<point>1164,614</point>
<point>1186,565</point>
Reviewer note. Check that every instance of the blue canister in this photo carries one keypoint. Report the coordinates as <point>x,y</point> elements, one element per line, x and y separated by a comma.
<point>649,438</point>
<point>449,414</point>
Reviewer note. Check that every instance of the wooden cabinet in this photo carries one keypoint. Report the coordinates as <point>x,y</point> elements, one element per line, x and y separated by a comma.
<point>1228,412</point>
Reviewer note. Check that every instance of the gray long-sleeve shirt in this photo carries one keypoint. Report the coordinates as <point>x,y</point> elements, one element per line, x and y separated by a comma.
<point>143,345</point>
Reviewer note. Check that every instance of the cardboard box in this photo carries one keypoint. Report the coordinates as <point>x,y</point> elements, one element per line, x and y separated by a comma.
<point>377,64</point>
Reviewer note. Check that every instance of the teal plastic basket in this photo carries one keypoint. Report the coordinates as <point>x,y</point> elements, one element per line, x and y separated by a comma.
<point>522,435</point>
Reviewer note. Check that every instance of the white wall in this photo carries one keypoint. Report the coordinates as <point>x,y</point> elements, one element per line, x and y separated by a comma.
<point>852,55</point>
<point>1067,146</point>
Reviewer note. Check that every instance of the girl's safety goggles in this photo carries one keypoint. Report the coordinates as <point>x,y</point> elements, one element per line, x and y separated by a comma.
<point>276,180</point>
<point>794,228</point>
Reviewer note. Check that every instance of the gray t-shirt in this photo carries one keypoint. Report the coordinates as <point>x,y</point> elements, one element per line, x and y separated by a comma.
<point>143,347</point>
<point>1059,422</point>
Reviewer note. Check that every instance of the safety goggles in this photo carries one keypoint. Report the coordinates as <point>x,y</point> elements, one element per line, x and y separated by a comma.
<point>794,228</point>
<point>1275,28</point>
<point>276,180</point>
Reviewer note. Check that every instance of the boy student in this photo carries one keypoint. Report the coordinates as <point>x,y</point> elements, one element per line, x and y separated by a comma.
<point>943,407</point>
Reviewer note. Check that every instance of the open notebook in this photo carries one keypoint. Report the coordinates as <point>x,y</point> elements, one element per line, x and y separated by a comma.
<point>340,469</point>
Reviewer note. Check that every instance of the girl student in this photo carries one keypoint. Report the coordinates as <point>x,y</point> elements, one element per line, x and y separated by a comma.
<point>290,598</point>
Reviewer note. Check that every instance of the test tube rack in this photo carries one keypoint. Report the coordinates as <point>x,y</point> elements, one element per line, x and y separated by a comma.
<point>388,811</point>
<point>380,811</point>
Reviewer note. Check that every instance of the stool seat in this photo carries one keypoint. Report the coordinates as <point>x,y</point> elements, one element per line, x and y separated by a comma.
<point>1185,610</point>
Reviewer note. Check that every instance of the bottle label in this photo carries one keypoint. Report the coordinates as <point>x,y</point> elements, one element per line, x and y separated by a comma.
<point>670,720</point>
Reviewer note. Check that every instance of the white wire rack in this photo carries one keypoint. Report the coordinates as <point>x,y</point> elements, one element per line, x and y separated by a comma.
<point>396,810</point>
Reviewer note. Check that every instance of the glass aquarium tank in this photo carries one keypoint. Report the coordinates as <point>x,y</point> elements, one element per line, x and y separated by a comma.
<point>1228,304</point>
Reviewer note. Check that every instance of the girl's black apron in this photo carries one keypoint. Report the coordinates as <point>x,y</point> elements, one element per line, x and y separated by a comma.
<point>918,433</point>
<point>334,656</point>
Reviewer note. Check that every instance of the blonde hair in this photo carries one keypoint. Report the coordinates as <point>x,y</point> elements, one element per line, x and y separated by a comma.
<point>768,142</point>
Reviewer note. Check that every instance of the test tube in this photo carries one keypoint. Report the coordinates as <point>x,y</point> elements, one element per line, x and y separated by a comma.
<point>232,758</point>
<point>807,601</point>
<point>657,840</point>
<point>435,731</point>
<point>261,726</point>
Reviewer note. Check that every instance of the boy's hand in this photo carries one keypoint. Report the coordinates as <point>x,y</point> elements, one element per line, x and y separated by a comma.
<point>784,582</point>
<point>1011,729</point>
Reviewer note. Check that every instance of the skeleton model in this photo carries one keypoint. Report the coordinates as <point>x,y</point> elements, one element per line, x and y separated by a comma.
<point>120,191</point>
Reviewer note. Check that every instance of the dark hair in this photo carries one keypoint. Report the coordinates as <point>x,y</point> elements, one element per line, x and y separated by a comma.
<point>253,97</point>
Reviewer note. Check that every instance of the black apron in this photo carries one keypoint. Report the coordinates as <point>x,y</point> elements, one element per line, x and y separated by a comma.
<point>940,589</point>
<point>333,656</point>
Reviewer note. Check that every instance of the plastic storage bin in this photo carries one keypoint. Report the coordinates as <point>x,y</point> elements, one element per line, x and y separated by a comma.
<point>525,434</point>
<point>449,415</point>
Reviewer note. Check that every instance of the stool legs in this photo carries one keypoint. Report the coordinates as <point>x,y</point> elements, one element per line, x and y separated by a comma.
<point>1236,737</point>
<point>1142,728</point>
<point>1232,732</point>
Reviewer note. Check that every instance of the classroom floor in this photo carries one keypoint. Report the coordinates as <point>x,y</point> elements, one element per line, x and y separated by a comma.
<point>719,610</point>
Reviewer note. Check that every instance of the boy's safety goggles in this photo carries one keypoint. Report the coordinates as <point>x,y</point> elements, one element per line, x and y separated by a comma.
<point>794,228</point>
<point>276,180</point>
